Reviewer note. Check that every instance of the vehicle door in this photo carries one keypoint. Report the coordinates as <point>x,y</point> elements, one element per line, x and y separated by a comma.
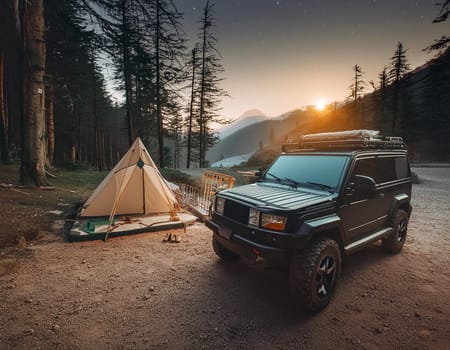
<point>362,210</point>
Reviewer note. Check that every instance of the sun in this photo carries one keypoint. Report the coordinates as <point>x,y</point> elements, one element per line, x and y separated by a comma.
<point>320,105</point>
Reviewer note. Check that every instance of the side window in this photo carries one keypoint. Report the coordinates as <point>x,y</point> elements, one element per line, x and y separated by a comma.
<point>392,168</point>
<point>401,167</point>
<point>386,169</point>
<point>367,167</point>
<point>383,169</point>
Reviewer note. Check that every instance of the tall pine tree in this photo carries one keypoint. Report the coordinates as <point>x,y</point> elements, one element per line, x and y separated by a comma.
<point>210,91</point>
<point>32,167</point>
<point>399,66</point>
<point>356,91</point>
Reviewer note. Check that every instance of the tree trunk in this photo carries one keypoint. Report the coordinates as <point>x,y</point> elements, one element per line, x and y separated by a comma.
<point>126,72</point>
<point>110,152</point>
<point>191,112</point>
<point>50,125</point>
<point>4,149</point>
<point>158,90</point>
<point>73,135</point>
<point>32,170</point>
<point>202,91</point>
<point>102,147</point>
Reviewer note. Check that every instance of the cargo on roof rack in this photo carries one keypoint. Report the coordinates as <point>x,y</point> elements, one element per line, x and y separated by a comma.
<point>344,140</point>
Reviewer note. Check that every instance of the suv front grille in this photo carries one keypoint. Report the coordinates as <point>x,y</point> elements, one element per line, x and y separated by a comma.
<point>236,211</point>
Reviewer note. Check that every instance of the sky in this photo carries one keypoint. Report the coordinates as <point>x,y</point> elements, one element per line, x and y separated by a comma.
<point>286,54</point>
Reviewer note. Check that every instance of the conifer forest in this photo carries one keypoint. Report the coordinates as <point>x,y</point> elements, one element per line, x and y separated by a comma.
<point>60,58</point>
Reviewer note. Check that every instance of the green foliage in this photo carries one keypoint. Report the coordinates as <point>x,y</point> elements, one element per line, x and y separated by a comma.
<point>90,118</point>
<point>209,92</point>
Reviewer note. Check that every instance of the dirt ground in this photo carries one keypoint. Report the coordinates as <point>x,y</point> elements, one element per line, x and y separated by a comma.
<point>137,292</point>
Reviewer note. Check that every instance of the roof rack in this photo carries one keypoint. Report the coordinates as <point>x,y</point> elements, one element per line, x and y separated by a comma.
<point>345,140</point>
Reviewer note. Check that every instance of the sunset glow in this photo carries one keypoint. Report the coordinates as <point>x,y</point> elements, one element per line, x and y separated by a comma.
<point>320,105</point>
<point>278,55</point>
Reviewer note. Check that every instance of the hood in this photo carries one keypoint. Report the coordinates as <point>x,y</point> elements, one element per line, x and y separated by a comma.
<point>270,195</point>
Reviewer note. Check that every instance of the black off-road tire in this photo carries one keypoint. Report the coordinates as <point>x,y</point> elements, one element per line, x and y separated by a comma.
<point>395,241</point>
<point>313,274</point>
<point>224,253</point>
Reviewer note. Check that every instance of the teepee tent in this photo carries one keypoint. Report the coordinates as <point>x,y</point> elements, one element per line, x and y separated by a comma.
<point>134,186</point>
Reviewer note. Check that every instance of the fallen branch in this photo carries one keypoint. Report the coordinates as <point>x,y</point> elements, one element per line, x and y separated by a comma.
<point>49,174</point>
<point>16,190</point>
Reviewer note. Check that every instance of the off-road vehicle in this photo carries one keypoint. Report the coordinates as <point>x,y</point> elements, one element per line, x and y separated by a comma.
<point>325,196</point>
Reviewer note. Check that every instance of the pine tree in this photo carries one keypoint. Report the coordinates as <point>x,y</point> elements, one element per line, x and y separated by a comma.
<point>11,78</point>
<point>83,111</point>
<point>382,87</point>
<point>441,44</point>
<point>211,71</point>
<point>58,62</point>
<point>125,43</point>
<point>146,43</point>
<point>356,92</point>
<point>398,68</point>
<point>32,167</point>
<point>116,20</point>
<point>193,66</point>
<point>383,79</point>
<point>358,85</point>
<point>169,62</point>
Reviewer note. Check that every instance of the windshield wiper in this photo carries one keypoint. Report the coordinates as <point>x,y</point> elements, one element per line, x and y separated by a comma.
<point>321,186</point>
<point>293,182</point>
<point>274,176</point>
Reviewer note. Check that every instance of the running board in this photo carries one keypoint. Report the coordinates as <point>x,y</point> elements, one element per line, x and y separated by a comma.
<point>368,239</point>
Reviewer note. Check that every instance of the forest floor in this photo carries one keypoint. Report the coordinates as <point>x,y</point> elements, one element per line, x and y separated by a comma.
<point>137,292</point>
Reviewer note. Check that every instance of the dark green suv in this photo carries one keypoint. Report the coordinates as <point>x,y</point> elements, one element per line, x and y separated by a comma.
<point>325,196</point>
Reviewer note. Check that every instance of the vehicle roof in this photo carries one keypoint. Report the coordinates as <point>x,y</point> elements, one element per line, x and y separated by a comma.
<point>352,152</point>
<point>353,140</point>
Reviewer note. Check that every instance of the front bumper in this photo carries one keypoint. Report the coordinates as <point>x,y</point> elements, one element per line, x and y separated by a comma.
<point>243,240</point>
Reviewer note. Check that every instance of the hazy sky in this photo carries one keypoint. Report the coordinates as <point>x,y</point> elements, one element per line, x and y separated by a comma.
<point>285,54</point>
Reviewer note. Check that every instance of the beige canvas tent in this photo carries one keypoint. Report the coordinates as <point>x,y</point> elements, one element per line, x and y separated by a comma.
<point>134,186</point>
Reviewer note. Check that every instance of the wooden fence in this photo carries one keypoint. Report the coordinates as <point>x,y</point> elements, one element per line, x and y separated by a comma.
<point>199,198</point>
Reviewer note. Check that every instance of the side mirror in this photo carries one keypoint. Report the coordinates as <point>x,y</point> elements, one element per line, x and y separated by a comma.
<point>258,174</point>
<point>365,185</point>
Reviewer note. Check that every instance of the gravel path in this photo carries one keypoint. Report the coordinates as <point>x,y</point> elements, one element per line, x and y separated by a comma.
<point>137,292</point>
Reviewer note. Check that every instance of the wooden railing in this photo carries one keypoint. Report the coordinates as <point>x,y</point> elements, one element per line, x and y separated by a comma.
<point>199,198</point>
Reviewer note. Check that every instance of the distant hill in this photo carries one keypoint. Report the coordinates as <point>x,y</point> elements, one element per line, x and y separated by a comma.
<point>423,118</point>
<point>250,117</point>
<point>262,134</point>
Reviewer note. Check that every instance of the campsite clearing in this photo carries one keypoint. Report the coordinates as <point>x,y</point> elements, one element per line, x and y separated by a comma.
<point>136,292</point>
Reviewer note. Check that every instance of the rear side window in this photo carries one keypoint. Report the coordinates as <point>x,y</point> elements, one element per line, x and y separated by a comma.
<point>386,170</point>
<point>383,169</point>
<point>402,168</point>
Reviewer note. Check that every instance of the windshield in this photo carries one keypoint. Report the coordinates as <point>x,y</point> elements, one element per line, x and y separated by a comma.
<point>320,171</point>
